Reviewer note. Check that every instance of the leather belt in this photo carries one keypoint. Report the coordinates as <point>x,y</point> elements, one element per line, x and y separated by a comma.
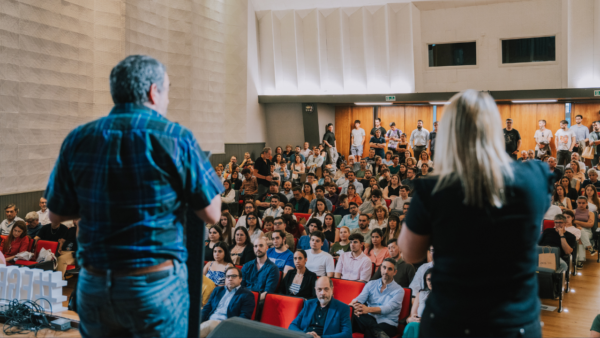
<point>132,272</point>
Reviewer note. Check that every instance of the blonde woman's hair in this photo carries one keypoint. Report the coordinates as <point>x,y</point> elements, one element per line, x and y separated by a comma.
<point>377,208</point>
<point>470,149</point>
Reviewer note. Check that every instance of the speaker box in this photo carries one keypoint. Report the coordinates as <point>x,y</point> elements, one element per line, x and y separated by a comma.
<point>244,328</point>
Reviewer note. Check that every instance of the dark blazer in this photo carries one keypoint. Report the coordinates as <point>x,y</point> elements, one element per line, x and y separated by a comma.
<point>247,254</point>
<point>307,287</point>
<point>337,323</point>
<point>241,305</point>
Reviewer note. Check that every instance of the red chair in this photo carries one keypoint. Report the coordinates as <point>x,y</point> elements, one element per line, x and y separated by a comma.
<point>52,246</point>
<point>299,216</point>
<point>280,278</point>
<point>373,268</point>
<point>239,267</point>
<point>332,208</point>
<point>548,224</point>
<point>295,243</point>
<point>340,190</point>
<point>280,310</point>
<point>3,237</point>
<point>346,290</point>
<point>388,202</point>
<point>255,304</point>
<point>404,313</point>
<point>31,243</point>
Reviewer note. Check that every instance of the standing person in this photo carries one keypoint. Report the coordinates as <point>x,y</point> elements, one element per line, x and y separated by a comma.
<point>431,142</point>
<point>542,139</point>
<point>358,138</point>
<point>377,127</point>
<point>582,134</point>
<point>377,142</point>
<point>495,191</point>
<point>564,141</point>
<point>131,230</point>
<point>330,146</point>
<point>262,171</point>
<point>512,140</point>
<point>594,140</point>
<point>418,139</point>
<point>393,137</point>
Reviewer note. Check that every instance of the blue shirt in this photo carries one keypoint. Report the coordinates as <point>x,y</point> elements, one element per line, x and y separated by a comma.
<point>304,243</point>
<point>359,187</point>
<point>349,222</point>
<point>389,301</point>
<point>263,280</point>
<point>130,176</point>
<point>221,311</point>
<point>281,259</point>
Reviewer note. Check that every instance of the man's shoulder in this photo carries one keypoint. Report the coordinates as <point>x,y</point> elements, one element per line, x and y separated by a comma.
<point>244,292</point>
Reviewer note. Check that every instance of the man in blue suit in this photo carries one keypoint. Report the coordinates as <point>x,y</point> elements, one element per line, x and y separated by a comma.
<point>231,300</point>
<point>324,316</point>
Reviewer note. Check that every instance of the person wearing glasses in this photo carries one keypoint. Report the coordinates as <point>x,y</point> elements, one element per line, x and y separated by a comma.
<point>512,140</point>
<point>559,237</point>
<point>228,301</point>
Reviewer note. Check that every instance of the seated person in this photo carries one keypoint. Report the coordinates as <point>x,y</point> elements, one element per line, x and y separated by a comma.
<point>299,282</point>
<point>53,232</point>
<point>385,178</point>
<point>215,270</point>
<point>312,225</point>
<point>360,173</point>
<point>242,250</point>
<point>279,224</point>
<point>287,190</point>
<point>343,245</point>
<point>263,202</point>
<point>16,242</point>
<point>260,275</point>
<point>368,207</point>
<point>215,235</point>
<point>417,283</point>
<point>398,202</point>
<point>312,180</point>
<point>412,329</point>
<point>569,226</point>
<point>366,181</point>
<point>325,316</point>
<point>300,203</point>
<point>351,220</point>
<point>342,207</point>
<point>411,174</point>
<point>405,272</point>
<point>228,301</point>
<point>280,254</point>
<point>33,224</point>
<point>363,229</point>
<point>332,195</point>
<point>319,261</point>
<point>377,251</point>
<point>558,237</point>
<point>354,265</point>
<point>376,311</point>
<point>593,179</point>
<point>552,211</point>
<point>275,210</point>
<point>249,184</point>
<point>288,209</point>
<point>320,193</point>
<point>268,225</point>
<point>351,180</point>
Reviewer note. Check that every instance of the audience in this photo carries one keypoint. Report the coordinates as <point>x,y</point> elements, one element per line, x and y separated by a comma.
<point>275,210</point>
<point>343,245</point>
<point>236,183</point>
<point>353,197</point>
<point>591,193</point>
<point>16,242</point>
<point>207,288</point>
<point>261,274</point>
<point>279,225</point>
<point>287,191</point>
<point>412,329</point>
<point>308,193</point>
<point>377,251</point>
<point>262,171</point>
<point>377,307</point>
<point>215,235</point>
<point>252,224</point>
<point>351,180</point>
<point>67,247</point>
<point>584,221</point>
<point>293,227</point>
<point>405,272</point>
<point>314,161</point>
<point>299,282</point>
<point>380,218</point>
<point>392,191</point>
<point>319,194</point>
<point>342,209</point>
<point>52,232</point>
<point>264,200</point>
<point>280,254</point>
<point>6,225</point>
<point>33,223</point>
<point>411,174</point>
<point>312,225</point>
<point>228,301</point>
<point>417,283</point>
<point>354,265</point>
<point>560,199</point>
<point>320,211</point>
<point>299,202</point>
<point>351,220</point>
<point>227,223</point>
<point>319,261</point>
<point>368,207</point>
<point>329,229</point>
<point>392,231</point>
<point>325,316</point>
<point>242,251</point>
<point>215,270</point>
<point>363,229</point>
<point>559,237</point>
<point>248,210</point>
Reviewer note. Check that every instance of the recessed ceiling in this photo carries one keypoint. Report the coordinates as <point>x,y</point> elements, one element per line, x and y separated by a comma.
<point>425,5</point>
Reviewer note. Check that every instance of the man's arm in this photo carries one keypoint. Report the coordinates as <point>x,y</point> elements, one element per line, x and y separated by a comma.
<point>572,142</point>
<point>54,218</point>
<point>518,146</point>
<point>212,213</point>
<point>247,306</point>
<point>414,246</point>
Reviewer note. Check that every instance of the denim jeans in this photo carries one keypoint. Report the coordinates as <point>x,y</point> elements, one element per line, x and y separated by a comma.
<point>152,305</point>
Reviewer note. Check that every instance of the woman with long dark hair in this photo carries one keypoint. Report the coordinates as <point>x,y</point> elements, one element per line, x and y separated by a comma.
<point>215,235</point>
<point>477,190</point>
<point>16,242</point>
<point>242,250</point>
<point>418,307</point>
<point>299,282</point>
<point>215,270</point>
<point>236,183</point>
<point>377,251</point>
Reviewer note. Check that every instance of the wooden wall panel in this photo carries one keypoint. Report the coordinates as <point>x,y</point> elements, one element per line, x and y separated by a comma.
<point>505,113</point>
<point>589,112</point>
<point>343,126</point>
<point>415,113</point>
<point>525,121</point>
<point>439,113</point>
<point>389,114</point>
<point>553,114</point>
<point>367,122</point>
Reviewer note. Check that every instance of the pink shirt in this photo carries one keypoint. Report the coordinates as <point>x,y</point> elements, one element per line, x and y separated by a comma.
<point>351,268</point>
<point>383,254</point>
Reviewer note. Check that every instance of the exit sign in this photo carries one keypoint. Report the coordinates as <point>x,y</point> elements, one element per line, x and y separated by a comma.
<point>596,93</point>
<point>393,98</point>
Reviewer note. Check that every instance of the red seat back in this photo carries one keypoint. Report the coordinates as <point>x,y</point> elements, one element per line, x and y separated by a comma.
<point>300,216</point>
<point>3,237</point>
<point>388,202</point>
<point>31,242</point>
<point>52,246</point>
<point>280,310</point>
<point>255,304</point>
<point>405,311</point>
<point>346,290</point>
<point>548,224</point>
<point>332,208</point>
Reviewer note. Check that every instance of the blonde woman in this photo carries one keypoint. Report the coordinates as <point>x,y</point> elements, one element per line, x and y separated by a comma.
<point>592,194</point>
<point>578,175</point>
<point>477,184</point>
<point>411,162</point>
<point>379,219</point>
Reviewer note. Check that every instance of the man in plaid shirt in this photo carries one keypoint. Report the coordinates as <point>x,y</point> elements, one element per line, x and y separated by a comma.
<point>130,177</point>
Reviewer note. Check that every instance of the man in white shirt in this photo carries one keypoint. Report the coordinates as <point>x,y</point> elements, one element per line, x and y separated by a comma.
<point>564,141</point>
<point>319,261</point>
<point>44,213</point>
<point>358,137</point>
<point>10,212</point>
<point>542,138</point>
<point>575,157</point>
<point>354,264</point>
<point>314,161</point>
<point>582,134</point>
<point>306,151</point>
<point>418,139</point>
<point>351,179</point>
<point>274,210</point>
<point>398,203</point>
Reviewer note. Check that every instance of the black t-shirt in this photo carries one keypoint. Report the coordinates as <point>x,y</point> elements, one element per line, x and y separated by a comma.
<point>329,137</point>
<point>264,169</point>
<point>341,211</point>
<point>71,240</point>
<point>383,131</point>
<point>53,235</point>
<point>550,237</point>
<point>267,197</point>
<point>511,138</point>
<point>432,136</point>
<point>586,182</point>
<point>510,297</point>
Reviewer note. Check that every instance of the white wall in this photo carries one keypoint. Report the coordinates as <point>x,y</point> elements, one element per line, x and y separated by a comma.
<point>584,43</point>
<point>254,114</point>
<point>326,115</point>
<point>284,124</point>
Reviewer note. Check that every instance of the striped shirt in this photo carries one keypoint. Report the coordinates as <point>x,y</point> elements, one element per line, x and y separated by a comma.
<point>131,176</point>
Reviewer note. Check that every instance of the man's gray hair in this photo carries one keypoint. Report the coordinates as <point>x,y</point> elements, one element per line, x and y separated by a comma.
<point>592,170</point>
<point>31,216</point>
<point>130,80</point>
<point>560,217</point>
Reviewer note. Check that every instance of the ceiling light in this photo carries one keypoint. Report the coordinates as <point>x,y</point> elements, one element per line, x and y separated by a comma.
<point>373,103</point>
<point>534,101</point>
<point>440,103</point>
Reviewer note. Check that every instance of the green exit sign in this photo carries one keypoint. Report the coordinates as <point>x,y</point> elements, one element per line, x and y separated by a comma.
<point>596,92</point>
<point>393,98</point>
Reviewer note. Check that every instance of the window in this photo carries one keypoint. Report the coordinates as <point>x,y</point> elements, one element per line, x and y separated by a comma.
<point>452,54</point>
<point>529,50</point>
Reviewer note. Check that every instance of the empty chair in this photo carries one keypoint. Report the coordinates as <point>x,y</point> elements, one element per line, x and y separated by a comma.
<point>551,280</point>
<point>346,290</point>
<point>281,310</point>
